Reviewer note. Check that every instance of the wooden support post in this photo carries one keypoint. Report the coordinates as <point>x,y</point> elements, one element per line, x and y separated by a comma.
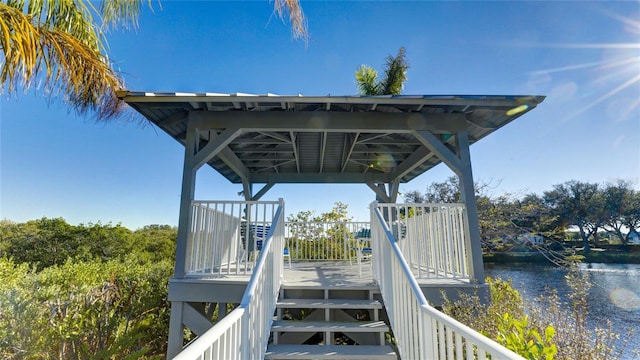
<point>394,187</point>
<point>474,241</point>
<point>194,158</point>
<point>176,330</point>
<point>247,190</point>
<point>381,193</point>
<point>187,195</point>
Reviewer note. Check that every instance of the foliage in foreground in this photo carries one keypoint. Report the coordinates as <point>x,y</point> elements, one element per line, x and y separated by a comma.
<point>545,329</point>
<point>79,310</point>
<point>84,292</point>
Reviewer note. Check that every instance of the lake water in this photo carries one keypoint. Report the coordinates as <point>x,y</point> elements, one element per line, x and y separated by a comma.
<point>615,294</point>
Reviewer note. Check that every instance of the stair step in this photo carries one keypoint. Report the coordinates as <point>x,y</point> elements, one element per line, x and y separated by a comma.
<point>347,352</point>
<point>328,304</point>
<point>325,326</point>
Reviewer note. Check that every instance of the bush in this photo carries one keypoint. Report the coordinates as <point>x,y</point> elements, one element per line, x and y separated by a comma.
<point>80,310</point>
<point>545,329</point>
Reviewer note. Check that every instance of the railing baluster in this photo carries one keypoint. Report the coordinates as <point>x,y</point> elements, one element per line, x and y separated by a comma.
<point>409,313</point>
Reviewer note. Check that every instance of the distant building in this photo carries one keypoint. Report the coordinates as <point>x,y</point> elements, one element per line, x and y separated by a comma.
<point>530,238</point>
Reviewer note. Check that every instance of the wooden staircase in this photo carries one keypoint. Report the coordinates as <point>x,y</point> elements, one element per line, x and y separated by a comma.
<point>329,323</point>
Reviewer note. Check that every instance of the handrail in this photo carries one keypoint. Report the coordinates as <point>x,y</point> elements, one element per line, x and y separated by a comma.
<point>421,331</point>
<point>262,292</point>
<point>225,332</point>
<point>433,238</point>
<point>244,333</point>
<point>224,236</point>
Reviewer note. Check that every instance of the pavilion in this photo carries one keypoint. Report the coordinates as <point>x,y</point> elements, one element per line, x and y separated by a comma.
<point>263,140</point>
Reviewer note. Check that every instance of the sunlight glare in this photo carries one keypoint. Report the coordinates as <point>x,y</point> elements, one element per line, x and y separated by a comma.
<point>517,110</point>
<point>619,70</point>
<point>625,299</point>
<point>384,162</point>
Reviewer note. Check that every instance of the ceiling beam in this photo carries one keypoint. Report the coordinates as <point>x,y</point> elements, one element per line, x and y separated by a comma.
<point>440,150</point>
<point>324,178</point>
<point>276,136</point>
<point>371,137</point>
<point>314,121</point>
<point>412,162</point>
<point>360,149</point>
<point>346,158</point>
<point>249,159</point>
<point>173,119</point>
<point>379,190</point>
<point>262,191</point>
<point>323,149</point>
<point>262,166</point>
<point>398,142</point>
<point>249,141</point>
<point>235,164</point>
<point>296,155</point>
<point>214,146</point>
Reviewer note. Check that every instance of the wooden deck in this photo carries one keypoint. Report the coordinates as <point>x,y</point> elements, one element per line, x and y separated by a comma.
<point>328,275</point>
<point>310,275</point>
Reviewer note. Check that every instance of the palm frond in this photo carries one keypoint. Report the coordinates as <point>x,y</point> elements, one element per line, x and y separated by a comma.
<point>122,13</point>
<point>67,65</point>
<point>395,74</point>
<point>57,42</point>
<point>20,46</point>
<point>81,74</point>
<point>72,16</point>
<point>366,79</point>
<point>296,17</point>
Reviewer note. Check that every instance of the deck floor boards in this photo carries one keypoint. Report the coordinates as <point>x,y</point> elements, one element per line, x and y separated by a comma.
<point>326,274</point>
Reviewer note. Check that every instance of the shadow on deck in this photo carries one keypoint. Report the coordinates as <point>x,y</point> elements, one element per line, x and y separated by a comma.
<point>312,275</point>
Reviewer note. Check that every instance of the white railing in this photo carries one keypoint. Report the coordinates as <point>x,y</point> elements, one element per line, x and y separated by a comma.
<point>420,330</point>
<point>432,237</point>
<point>244,333</point>
<point>226,236</point>
<point>325,241</point>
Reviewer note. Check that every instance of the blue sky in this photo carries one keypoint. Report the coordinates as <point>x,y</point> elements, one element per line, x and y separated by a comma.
<point>584,56</point>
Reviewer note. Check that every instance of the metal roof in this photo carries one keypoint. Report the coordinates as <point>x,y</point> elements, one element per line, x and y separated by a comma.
<point>327,139</point>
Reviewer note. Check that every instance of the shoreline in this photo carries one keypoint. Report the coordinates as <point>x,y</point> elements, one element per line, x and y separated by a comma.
<point>539,258</point>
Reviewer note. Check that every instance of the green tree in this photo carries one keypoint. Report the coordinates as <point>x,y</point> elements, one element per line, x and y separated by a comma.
<point>319,236</point>
<point>84,310</point>
<point>63,44</point>
<point>395,75</point>
<point>43,242</point>
<point>578,204</point>
<point>102,242</point>
<point>154,243</point>
<point>622,209</point>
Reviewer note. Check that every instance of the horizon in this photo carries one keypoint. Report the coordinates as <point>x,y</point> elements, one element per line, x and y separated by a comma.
<point>583,57</point>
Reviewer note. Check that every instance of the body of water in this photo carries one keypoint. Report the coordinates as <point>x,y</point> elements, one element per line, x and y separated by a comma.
<point>614,295</point>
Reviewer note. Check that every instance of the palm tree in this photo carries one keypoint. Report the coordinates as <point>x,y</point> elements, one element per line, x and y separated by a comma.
<point>395,75</point>
<point>61,44</point>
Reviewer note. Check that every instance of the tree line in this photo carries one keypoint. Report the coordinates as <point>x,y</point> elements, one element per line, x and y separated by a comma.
<point>91,291</point>
<point>590,209</point>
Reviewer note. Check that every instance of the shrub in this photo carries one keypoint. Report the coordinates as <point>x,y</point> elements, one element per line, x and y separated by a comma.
<point>80,310</point>
<point>545,329</point>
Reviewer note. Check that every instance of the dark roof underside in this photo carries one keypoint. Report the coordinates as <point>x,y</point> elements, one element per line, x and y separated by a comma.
<point>311,139</point>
